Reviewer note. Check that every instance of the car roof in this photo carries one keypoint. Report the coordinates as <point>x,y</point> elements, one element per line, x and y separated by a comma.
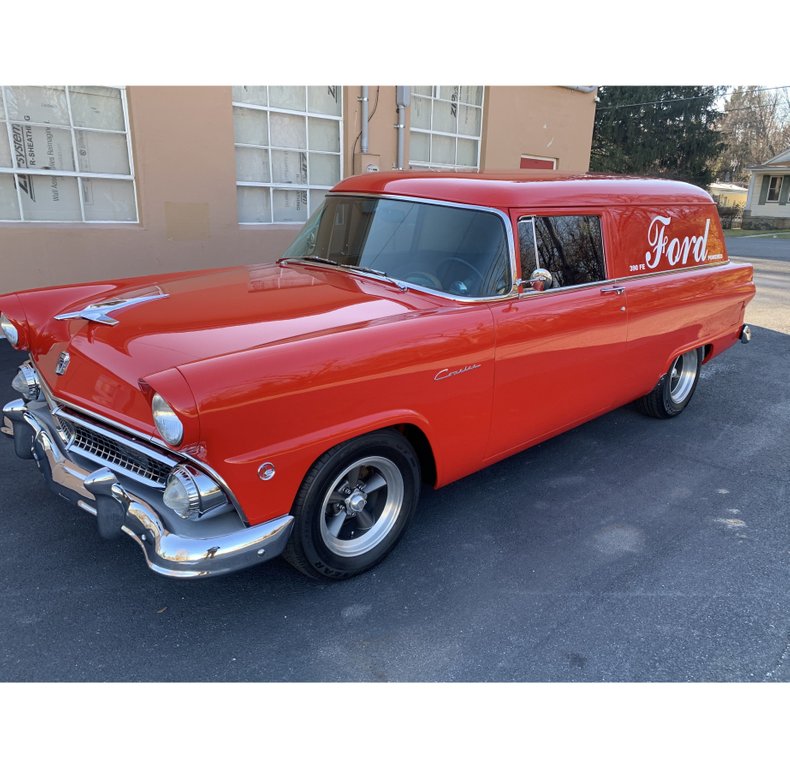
<point>525,189</point>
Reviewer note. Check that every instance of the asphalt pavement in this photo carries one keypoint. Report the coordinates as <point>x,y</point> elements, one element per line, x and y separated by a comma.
<point>762,246</point>
<point>628,549</point>
<point>771,259</point>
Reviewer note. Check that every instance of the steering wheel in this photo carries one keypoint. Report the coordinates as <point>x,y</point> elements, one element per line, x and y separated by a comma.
<point>424,279</point>
<point>466,264</point>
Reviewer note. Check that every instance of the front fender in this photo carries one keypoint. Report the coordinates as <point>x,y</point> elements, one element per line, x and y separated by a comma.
<point>289,403</point>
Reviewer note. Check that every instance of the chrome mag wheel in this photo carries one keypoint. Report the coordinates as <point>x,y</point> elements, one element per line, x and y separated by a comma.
<point>682,376</point>
<point>362,506</point>
<point>354,505</point>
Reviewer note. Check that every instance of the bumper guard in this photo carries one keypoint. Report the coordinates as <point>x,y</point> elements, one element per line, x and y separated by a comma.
<point>118,508</point>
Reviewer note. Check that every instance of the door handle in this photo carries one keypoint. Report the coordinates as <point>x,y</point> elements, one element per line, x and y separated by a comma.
<point>613,290</point>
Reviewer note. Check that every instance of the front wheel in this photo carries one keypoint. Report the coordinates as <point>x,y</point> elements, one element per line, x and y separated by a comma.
<point>354,505</point>
<point>674,390</point>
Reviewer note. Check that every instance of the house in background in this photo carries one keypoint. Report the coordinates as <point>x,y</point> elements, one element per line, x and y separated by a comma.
<point>766,204</point>
<point>728,195</point>
<point>103,182</point>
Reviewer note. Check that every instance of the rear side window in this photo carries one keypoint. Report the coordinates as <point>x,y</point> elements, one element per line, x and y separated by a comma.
<point>569,247</point>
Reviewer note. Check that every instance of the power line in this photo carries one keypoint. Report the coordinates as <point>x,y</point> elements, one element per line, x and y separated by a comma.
<point>684,98</point>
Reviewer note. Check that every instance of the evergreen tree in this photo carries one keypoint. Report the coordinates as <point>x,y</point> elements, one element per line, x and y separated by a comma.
<point>664,131</point>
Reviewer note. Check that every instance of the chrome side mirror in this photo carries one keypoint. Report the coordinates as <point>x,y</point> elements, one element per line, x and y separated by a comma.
<point>540,280</point>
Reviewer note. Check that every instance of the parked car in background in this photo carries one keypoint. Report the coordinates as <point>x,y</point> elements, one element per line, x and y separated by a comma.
<point>420,327</point>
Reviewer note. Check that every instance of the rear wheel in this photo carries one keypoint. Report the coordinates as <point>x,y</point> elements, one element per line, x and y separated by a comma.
<point>675,389</point>
<point>354,505</point>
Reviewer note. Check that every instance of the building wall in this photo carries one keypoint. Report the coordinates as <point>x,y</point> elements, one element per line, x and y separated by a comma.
<point>382,136</point>
<point>539,121</point>
<point>185,172</point>
<point>727,197</point>
<point>774,209</point>
<point>182,144</point>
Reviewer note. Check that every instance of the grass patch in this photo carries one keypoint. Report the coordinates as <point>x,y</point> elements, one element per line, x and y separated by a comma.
<point>782,234</point>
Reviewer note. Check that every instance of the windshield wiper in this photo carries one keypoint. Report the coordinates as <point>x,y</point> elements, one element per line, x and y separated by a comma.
<point>352,267</point>
<point>378,273</point>
<point>319,259</point>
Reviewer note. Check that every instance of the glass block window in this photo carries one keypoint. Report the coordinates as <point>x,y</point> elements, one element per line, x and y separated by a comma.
<point>446,125</point>
<point>288,150</point>
<point>65,155</point>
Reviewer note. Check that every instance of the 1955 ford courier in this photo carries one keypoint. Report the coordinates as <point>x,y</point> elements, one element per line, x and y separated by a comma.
<point>224,417</point>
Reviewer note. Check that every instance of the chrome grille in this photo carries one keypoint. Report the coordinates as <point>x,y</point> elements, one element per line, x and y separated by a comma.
<point>112,452</point>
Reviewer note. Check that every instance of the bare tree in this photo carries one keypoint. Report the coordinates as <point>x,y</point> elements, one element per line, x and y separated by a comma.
<point>755,127</point>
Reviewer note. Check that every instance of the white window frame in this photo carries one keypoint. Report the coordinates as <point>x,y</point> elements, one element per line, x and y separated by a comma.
<point>768,198</point>
<point>538,157</point>
<point>272,185</point>
<point>434,97</point>
<point>16,170</point>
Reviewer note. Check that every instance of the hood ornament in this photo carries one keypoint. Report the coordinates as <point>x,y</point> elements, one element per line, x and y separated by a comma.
<point>99,312</point>
<point>63,363</point>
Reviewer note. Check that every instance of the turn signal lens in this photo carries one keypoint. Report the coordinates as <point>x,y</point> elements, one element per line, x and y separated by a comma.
<point>9,330</point>
<point>166,421</point>
<point>181,494</point>
<point>27,382</point>
<point>192,494</point>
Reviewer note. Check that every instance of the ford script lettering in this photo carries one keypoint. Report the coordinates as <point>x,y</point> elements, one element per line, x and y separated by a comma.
<point>676,251</point>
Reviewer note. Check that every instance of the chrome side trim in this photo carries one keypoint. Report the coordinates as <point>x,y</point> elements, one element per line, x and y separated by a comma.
<point>628,278</point>
<point>562,289</point>
<point>693,268</point>
<point>511,243</point>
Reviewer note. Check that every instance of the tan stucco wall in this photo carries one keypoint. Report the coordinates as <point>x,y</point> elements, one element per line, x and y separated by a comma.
<point>382,136</point>
<point>182,144</point>
<point>545,121</point>
<point>537,120</point>
<point>185,171</point>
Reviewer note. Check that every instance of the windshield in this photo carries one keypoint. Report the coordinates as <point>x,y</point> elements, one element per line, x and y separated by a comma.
<point>459,251</point>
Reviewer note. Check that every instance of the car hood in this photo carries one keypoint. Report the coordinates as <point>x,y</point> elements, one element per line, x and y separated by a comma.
<point>178,319</point>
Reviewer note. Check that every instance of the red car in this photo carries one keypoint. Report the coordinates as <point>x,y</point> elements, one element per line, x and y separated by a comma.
<point>420,327</point>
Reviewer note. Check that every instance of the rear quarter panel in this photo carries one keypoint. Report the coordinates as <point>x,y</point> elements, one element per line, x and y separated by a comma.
<point>681,290</point>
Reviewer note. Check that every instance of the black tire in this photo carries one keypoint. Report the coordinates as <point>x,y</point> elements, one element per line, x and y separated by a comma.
<point>344,524</point>
<point>675,388</point>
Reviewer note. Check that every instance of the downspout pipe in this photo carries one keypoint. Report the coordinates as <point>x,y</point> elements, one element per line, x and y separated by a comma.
<point>402,97</point>
<point>401,126</point>
<point>365,106</point>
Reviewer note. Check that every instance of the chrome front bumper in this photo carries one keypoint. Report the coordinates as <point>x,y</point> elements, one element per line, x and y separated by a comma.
<point>116,501</point>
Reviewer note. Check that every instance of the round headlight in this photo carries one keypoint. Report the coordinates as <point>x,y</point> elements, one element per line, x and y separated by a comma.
<point>166,421</point>
<point>10,331</point>
<point>27,382</point>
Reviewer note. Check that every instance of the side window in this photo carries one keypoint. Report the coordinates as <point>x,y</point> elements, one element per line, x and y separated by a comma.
<point>526,245</point>
<point>569,247</point>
